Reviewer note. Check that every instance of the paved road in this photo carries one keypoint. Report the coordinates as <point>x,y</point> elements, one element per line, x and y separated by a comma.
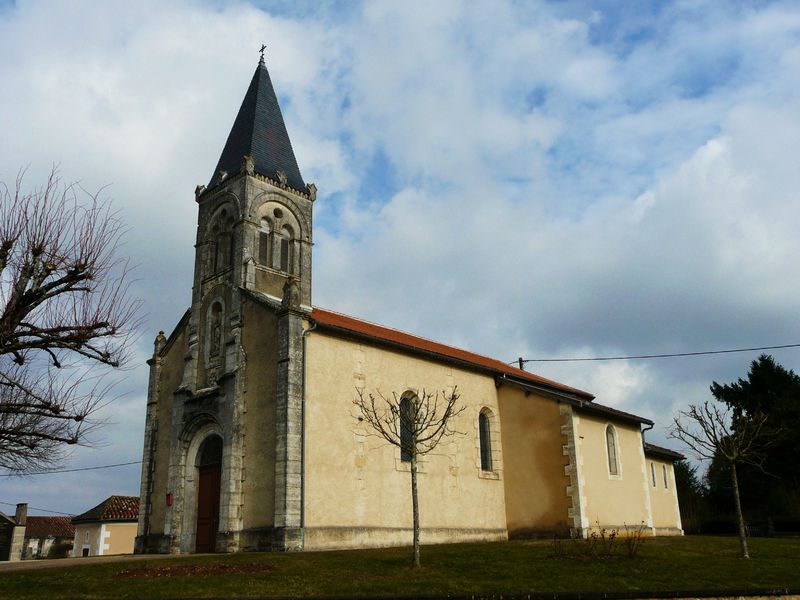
<point>30,565</point>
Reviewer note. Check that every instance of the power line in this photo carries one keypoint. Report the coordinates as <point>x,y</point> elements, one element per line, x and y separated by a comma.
<point>134,462</point>
<point>522,361</point>
<point>55,512</point>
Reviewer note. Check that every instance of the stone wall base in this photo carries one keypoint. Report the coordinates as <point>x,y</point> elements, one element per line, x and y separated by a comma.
<point>338,538</point>
<point>668,531</point>
<point>154,543</point>
<point>630,530</point>
<point>290,539</point>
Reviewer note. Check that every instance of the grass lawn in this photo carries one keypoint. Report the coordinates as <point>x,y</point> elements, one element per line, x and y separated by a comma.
<point>688,563</point>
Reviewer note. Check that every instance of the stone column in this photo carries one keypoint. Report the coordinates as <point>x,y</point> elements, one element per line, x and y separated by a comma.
<point>575,485</point>
<point>149,451</point>
<point>289,423</point>
<point>232,417</point>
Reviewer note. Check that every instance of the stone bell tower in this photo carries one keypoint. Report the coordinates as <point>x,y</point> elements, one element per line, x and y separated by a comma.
<point>254,240</point>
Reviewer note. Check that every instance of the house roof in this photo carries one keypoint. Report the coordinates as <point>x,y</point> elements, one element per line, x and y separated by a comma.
<point>42,527</point>
<point>338,322</point>
<point>663,452</point>
<point>259,132</point>
<point>113,508</point>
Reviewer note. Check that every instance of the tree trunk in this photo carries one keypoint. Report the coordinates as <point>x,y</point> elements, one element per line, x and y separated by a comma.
<point>739,516</point>
<point>415,505</point>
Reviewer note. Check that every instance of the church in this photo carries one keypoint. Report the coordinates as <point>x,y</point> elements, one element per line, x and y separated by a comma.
<point>251,441</point>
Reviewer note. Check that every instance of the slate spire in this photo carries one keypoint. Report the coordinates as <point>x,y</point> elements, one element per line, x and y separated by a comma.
<point>259,132</point>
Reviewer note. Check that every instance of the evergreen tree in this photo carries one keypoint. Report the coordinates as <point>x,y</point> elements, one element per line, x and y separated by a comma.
<point>773,489</point>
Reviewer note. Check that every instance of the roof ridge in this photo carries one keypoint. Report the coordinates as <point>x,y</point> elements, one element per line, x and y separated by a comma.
<point>408,333</point>
<point>482,360</point>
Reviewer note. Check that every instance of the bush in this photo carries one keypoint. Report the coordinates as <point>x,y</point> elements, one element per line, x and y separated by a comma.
<point>61,550</point>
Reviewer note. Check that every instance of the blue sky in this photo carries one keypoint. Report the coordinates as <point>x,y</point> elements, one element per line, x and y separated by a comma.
<point>517,178</point>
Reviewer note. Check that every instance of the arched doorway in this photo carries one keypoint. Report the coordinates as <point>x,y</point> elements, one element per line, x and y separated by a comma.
<point>209,463</point>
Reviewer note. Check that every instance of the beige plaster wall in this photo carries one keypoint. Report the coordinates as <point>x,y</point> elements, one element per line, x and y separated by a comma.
<point>259,339</point>
<point>119,538</point>
<point>663,499</point>
<point>104,538</point>
<point>81,540</point>
<point>357,490</point>
<point>171,374</point>
<point>535,483</point>
<point>612,501</point>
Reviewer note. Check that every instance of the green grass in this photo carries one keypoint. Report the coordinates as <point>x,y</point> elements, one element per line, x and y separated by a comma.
<point>689,563</point>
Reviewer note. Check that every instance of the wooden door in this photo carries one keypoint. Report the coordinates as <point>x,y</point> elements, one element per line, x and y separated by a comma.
<point>207,508</point>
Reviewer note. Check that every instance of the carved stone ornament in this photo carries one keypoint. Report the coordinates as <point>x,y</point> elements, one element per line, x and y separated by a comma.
<point>291,294</point>
<point>248,166</point>
<point>282,177</point>
<point>312,191</point>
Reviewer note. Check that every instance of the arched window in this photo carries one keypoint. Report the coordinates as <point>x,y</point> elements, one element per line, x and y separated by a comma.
<point>611,448</point>
<point>221,243</point>
<point>653,472</point>
<point>265,243</point>
<point>223,251</point>
<point>214,254</point>
<point>666,480</point>
<point>485,434</point>
<point>406,426</point>
<point>286,249</point>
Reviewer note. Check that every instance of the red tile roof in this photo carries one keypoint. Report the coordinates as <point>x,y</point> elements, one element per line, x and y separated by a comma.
<point>114,508</point>
<point>338,321</point>
<point>42,527</point>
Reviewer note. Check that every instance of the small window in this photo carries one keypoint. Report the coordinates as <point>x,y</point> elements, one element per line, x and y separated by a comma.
<point>286,250</point>
<point>406,424</point>
<point>265,244</point>
<point>86,538</point>
<point>484,432</point>
<point>666,480</point>
<point>611,448</point>
<point>653,473</point>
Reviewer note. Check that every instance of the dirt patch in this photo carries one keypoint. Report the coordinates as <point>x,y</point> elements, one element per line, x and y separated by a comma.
<point>195,570</point>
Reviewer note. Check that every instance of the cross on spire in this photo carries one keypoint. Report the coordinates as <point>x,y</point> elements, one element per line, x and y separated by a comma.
<point>263,47</point>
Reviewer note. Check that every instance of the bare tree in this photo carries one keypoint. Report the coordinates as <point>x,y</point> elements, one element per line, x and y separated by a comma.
<point>414,423</point>
<point>64,310</point>
<point>710,431</point>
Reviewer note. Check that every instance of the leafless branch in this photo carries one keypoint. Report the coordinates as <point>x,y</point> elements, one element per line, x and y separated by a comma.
<point>63,293</point>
